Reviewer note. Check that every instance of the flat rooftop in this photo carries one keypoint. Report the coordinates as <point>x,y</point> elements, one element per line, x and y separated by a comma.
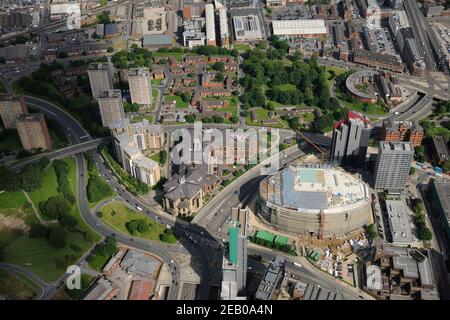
<point>399,222</point>
<point>316,188</point>
<point>299,27</point>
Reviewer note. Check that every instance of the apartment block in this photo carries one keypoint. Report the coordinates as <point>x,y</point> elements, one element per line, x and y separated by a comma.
<point>33,131</point>
<point>393,164</point>
<point>140,88</point>
<point>134,162</point>
<point>10,108</point>
<point>407,131</point>
<point>100,78</point>
<point>146,136</point>
<point>111,107</point>
<point>350,140</point>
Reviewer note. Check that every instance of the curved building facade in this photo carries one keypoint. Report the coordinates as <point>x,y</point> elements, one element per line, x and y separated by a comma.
<point>319,201</point>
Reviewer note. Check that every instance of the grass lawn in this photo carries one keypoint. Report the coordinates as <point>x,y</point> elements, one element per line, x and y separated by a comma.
<point>309,116</point>
<point>243,47</point>
<point>178,101</point>
<point>17,287</point>
<point>11,200</point>
<point>439,130</point>
<point>36,255</point>
<point>98,262</point>
<point>156,81</point>
<point>10,141</point>
<point>139,118</point>
<point>286,87</point>
<point>123,215</point>
<point>48,188</point>
<point>155,93</point>
<point>110,191</point>
<point>155,157</point>
<point>177,55</point>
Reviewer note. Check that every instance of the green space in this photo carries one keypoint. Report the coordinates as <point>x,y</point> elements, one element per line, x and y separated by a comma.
<point>160,157</point>
<point>10,141</point>
<point>97,188</point>
<point>135,58</point>
<point>2,87</point>
<point>48,189</point>
<point>12,199</point>
<point>156,82</point>
<point>139,118</point>
<point>176,55</point>
<point>47,250</point>
<point>17,287</point>
<point>119,217</point>
<point>285,87</point>
<point>102,253</point>
<point>243,47</point>
<point>179,102</point>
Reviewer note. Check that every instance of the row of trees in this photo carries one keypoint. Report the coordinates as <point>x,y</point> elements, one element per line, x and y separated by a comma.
<point>135,227</point>
<point>135,58</point>
<point>423,232</point>
<point>29,179</point>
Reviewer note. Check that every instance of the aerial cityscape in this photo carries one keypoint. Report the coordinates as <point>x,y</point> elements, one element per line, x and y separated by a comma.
<point>251,150</point>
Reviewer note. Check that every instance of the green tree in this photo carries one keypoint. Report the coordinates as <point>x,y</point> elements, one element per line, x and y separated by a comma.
<point>68,221</point>
<point>110,49</point>
<point>142,226</point>
<point>218,119</point>
<point>425,234</point>
<point>190,118</point>
<point>219,77</point>
<point>55,207</point>
<point>132,227</point>
<point>31,178</point>
<point>446,166</point>
<point>219,66</point>
<point>412,170</point>
<point>38,231</point>
<point>57,237</point>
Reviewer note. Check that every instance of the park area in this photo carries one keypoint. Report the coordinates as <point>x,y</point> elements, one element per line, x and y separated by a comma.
<point>121,218</point>
<point>36,252</point>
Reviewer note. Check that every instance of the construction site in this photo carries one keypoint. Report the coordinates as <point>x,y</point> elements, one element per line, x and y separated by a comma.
<point>310,198</point>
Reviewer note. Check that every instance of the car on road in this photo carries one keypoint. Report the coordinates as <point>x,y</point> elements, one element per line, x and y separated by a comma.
<point>139,208</point>
<point>171,261</point>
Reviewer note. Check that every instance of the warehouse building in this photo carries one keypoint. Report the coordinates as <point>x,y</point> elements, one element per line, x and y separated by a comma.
<point>247,28</point>
<point>399,222</point>
<point>210,25</point>
<point>299,28</point>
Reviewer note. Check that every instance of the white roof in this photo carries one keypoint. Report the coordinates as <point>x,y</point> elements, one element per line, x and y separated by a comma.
<point>210,24</point>
<point>299,27</point>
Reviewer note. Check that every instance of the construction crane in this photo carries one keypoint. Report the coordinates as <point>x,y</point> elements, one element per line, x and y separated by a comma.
<point>321,151</point>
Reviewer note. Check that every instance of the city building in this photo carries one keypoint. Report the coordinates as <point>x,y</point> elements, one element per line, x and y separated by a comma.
<point>350,140</point>
<point>10,108</point>
<point>100,78</point>
<point>146,136</point>
<point>210,25</point>
<point>185,191</point>
<point>413,58</point>
<point>103,289</point>
<point>317,200</point>
<point>134,162</point>
<point>111,107</point>
<point>400,273</point>
<point>393,165</point>
<point>247,28</point>
<point>307,28</point>
<point>275,3</point>
<point>140,88</point>
<point>156,41</point>
<point>408,131</point>
<point>377,60</point>
<point>223,28</point>
<point>33,131</point>
<point>272,279</point>
<point>440,149</point>
<point>440,192</point>
<point>399,222</point>
<point>234,264</point>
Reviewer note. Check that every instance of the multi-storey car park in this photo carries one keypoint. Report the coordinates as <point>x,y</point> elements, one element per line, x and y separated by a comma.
<point>318,200</point>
